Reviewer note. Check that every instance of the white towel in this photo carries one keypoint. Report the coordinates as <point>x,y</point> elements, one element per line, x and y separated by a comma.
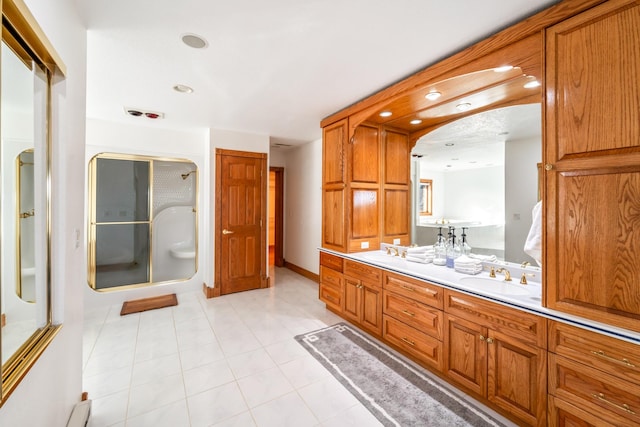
<point>421,260</point>
<point>419,249</point>
<point>489,258</point>
<point>466,264</point>
<point>533,244</point>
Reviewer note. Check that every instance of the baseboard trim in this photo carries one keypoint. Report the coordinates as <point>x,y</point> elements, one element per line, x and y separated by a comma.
<point>209,292</point>
<point>301,271</point>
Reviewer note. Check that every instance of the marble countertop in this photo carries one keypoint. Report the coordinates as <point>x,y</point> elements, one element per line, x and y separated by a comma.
<point>524,297</point>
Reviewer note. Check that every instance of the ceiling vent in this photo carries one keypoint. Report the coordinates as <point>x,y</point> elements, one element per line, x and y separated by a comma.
<point>281,145</point>
<point>137,112</point>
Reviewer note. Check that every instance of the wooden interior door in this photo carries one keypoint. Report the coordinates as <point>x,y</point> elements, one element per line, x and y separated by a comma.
<point>241,214</point>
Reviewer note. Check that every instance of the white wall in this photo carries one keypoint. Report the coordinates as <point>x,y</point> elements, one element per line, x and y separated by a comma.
<point>154,140</point>
<point>521,194</point>
<point>54,384</point>
<point>303,208</point>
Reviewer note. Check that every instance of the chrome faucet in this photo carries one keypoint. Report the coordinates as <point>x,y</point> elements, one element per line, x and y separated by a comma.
<point>507,273</point>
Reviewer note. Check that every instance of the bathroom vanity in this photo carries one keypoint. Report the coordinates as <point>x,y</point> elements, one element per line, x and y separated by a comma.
<point>568,353</point>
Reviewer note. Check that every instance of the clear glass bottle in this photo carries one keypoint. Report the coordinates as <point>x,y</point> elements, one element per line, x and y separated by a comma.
<point>466,249</point>
<point>453,250</point>
<point>440,249</point>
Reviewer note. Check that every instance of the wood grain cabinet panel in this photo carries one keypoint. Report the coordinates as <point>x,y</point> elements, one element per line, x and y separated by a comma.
<point>419,290</point>
<point>363,271</point>
<point>364,158</point>
<point>498,353</point>
<point>331,288</point>
<point>331,261</point>
<point>363,296</point>
<point>425,349</point>
<point>563,414</point>
<point>605,396</point>
<point>592,152</point>
<point>426,319</point>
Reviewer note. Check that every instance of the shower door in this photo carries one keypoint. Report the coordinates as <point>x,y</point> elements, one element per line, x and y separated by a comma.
<point>142,221</point>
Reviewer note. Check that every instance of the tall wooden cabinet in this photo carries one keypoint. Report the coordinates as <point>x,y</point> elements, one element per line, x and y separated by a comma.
<point>365,187</point>
<point>592,261</point>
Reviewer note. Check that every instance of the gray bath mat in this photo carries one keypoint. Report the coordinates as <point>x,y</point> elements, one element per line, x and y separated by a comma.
<point>396,393</point>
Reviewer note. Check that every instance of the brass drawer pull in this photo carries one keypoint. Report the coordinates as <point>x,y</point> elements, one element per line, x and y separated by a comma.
<point>613,359</point>
<point>624,407</point>
<point>408,313</point>
<point>482,338</point>
<point>408,341</point>
<point>408,288</point>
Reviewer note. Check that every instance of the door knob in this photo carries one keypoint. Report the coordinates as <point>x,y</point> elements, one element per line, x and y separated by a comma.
<point>225,231</point>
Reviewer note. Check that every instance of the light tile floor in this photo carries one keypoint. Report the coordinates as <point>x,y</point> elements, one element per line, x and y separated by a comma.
<point>227,361</point>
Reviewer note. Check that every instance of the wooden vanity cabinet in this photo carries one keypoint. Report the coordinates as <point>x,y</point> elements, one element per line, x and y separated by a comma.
<point>593,379</point>
<point>366,187</point>
<point>331,287</point>
<point>413,318</point>
<point>363,296</point>
<point>592,156</point>
<point>497,353</point>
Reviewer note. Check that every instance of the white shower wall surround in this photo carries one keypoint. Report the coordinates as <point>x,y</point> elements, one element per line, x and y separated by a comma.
<point>170,189</point>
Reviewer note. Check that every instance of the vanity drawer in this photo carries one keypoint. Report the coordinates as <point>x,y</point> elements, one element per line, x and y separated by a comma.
<point>331,288</point>
<point>563,414</point>
<point>421,291</point>
<point>604,395</point>
<point>424,348</point>
<point>510,321</point>
<point>364,272</point>
<point>334,262</point>
<point>610,355</point>
<point>424,318</point>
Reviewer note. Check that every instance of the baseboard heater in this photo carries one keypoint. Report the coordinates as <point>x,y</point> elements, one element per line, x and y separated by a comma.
<point>80,414</point>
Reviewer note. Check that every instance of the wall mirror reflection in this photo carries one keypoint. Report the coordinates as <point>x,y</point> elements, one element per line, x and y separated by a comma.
<point>484,173</point>
<point>26,69</point>
<point>143,227</point>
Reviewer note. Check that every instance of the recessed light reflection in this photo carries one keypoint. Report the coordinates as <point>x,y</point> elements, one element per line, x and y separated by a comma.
<point>415,121</point>
<point>465,106</point>
<point>386,114</point>
<point>449,144</point>
<point>532,84</point>
<point>503,69</point>
<point>433,95</point>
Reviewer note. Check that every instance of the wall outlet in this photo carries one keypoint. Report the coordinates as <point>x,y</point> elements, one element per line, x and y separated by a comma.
<point>396,241</point>
<point>364,245</point>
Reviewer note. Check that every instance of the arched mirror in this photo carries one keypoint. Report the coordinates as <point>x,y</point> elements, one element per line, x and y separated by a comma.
<point>26,69</point>
<point>476,134</point>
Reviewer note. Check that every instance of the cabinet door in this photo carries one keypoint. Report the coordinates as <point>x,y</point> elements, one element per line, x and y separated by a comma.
<point>592,189</point>
<point>352,299</point>
<point>396,200</point>
<point>516,378</point>
<point>334,139</point>
<point>466,354</point>
<point>372,309</point>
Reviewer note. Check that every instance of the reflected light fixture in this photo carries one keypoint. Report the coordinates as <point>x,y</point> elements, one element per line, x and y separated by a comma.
<point>532,84</point>
<point>503,69</point>
<point>415,121</point>
<point>465,106</point>
<point>433,95</point>
<point>386,114</point>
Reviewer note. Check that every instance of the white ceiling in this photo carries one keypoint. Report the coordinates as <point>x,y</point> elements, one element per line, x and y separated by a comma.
<point>478,141</point>
<point>272,67</point>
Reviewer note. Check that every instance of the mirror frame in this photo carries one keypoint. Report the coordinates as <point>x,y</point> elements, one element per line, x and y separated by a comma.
<point>21,32</point>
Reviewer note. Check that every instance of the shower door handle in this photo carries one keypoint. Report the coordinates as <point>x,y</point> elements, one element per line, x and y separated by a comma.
<point>225,231</point>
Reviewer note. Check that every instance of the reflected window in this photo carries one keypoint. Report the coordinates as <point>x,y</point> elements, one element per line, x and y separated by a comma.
<point>143,221</point>
<point>425,197</point>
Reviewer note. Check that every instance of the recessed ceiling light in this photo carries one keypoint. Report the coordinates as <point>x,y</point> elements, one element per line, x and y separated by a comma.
<point>532,84</point>
<point>449,144</point>
<point>433,95</point>
<point>183,88</point>
<point>465,106</point>
<point>503,69</point>
<point>455,158</point>
<point>415,121</point>
<point>386,114</point>
<point>473,161</point>
<point>195,41</point>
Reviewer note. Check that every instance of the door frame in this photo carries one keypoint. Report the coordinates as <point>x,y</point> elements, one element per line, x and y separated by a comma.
<point>264,277</point>
<point>279,202</point>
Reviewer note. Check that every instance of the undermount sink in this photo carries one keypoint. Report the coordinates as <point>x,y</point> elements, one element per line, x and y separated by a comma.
<point>498,286</point>
<point>380,257</point>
